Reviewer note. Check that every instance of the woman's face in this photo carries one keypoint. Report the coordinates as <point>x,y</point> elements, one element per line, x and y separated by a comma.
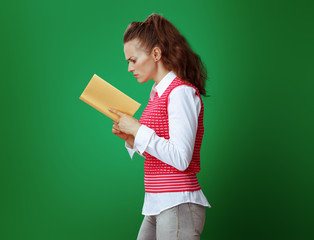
<point>142,65</point>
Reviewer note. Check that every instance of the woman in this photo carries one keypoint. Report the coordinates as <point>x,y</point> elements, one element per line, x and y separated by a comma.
<point>170,131</point>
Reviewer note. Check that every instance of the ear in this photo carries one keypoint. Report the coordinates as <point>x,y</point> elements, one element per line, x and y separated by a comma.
<point>156,53</point>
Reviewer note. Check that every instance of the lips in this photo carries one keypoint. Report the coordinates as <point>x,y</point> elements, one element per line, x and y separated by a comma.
<point>135,75</point>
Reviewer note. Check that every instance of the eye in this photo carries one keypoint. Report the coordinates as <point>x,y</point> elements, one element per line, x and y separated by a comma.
<point>131,60</point>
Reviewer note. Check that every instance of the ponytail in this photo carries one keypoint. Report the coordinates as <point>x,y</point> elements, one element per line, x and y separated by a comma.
<point>177,55</point>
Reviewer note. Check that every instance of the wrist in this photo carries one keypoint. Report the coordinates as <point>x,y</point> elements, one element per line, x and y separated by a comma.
<point>136,129</point>
<point>130,141</point>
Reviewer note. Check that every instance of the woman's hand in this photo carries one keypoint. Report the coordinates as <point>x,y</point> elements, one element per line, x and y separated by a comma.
<point>117,132</point>
<point>125,125</point>
<point>128,138</point>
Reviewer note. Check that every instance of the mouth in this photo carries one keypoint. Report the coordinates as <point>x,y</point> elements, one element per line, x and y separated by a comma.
<point>135,75</point>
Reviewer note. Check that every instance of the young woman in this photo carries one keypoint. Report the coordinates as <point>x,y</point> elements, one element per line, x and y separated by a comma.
<point>170,131</point>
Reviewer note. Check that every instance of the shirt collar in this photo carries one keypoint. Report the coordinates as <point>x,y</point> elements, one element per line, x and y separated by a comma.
<point>163,84</point>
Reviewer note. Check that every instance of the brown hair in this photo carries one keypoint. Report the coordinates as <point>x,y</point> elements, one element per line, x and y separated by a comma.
<point>177,55</point>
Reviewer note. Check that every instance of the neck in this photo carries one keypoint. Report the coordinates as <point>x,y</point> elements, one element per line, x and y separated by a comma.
<point>161,72</point>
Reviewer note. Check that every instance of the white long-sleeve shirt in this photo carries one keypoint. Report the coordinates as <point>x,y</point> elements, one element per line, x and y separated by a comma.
<point>184,107</point>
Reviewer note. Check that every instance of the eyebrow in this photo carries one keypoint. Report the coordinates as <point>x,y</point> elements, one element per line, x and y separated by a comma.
<point>129,58</point>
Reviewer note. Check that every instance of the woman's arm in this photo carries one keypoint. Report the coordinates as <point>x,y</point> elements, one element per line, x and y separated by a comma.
<point>183,110</point>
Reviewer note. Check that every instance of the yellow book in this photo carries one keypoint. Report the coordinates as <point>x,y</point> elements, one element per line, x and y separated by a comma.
<point>101,95</point>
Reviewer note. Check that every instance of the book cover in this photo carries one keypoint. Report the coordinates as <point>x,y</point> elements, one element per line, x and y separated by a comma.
<point>101,95</point>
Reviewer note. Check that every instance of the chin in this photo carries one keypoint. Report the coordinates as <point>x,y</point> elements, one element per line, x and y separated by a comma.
<point>142,80</point>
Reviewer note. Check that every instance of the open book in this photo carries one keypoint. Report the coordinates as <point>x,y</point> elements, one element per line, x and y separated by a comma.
<point>101,95</point>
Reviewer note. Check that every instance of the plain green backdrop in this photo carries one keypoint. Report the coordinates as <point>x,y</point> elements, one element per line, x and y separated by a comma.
<point>65,176</point>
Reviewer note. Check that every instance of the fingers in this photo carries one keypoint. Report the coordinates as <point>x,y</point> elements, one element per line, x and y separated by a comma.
<point>116,128</point>
<point>114,131</point>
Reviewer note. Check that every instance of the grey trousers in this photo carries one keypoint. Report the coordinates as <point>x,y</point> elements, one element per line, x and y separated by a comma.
<point>182,222</point>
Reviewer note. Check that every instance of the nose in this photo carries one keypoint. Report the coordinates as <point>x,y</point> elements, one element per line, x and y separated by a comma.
<point>130,67</point>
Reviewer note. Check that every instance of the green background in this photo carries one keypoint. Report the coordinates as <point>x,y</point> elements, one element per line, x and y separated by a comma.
<point>64,175</point>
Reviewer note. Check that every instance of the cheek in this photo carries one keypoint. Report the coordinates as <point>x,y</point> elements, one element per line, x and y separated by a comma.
<point>147,65</point>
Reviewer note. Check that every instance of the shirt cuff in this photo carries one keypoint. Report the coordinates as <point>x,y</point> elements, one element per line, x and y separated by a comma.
<point>142,138</point>
<point>130,150</point>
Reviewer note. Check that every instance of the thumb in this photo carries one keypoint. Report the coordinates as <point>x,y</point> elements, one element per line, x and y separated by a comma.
<point>115,111</point>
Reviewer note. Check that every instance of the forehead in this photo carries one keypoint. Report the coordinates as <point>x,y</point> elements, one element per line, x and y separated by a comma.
<point>133,48</point>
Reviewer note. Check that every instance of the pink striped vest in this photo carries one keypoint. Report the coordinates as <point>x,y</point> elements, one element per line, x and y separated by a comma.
<point>159,176</point>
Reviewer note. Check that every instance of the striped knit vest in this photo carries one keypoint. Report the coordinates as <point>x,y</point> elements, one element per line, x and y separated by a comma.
<point>159,176</point>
